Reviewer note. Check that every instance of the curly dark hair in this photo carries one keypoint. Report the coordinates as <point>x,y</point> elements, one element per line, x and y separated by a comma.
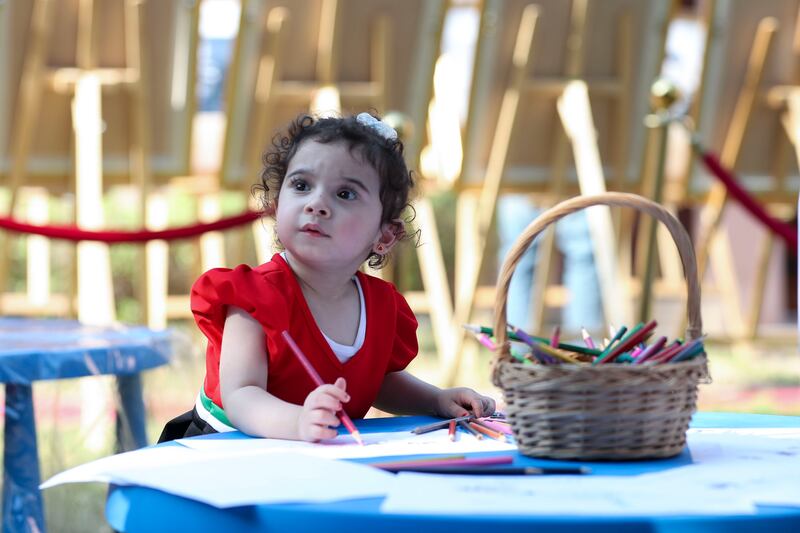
<point>385,156</point>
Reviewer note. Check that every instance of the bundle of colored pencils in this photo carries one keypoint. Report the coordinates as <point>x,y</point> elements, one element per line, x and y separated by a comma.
<point>494,427</point>
<point>624,347</point>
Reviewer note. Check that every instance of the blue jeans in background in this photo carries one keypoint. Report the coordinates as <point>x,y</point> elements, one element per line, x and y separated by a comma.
<point>583,309</point>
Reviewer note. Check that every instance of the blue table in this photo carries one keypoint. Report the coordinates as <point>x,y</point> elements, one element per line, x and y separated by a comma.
<point>137,509</point>
<point>45,349</point>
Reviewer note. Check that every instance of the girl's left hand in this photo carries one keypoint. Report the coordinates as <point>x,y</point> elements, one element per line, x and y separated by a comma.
<point>452,403</point>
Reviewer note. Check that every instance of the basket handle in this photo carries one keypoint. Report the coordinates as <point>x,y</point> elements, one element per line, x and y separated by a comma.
<point>616,199</point>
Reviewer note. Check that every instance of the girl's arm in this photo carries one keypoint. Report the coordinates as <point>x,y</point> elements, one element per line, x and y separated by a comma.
<point>243,387</point>
<point>403,394</point>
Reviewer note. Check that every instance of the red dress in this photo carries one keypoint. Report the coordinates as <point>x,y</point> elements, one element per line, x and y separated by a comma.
<point>271,294</point>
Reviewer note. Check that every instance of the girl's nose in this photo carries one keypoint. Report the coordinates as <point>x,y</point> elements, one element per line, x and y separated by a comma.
<point>318,207</point>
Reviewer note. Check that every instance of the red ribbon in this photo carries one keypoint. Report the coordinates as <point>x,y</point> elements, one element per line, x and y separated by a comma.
<point>785,231</point>
<point>74,233</point>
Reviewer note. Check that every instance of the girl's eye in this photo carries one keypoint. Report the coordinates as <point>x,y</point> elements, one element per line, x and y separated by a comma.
<point>299,185</point>
<point>346,194</point>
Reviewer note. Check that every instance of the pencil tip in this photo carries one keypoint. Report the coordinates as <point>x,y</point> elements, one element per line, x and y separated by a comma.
<point>357,436</point>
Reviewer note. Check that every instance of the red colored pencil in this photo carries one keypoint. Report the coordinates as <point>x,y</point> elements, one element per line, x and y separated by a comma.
<point>630,342</point>
<point>555,337</point>
<point>451,431</point>
<point>312,372</point>
<point>665,353</point>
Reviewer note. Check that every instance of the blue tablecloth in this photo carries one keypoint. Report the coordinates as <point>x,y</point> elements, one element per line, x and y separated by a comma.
<point>34,349</point>
<point>138,509</point>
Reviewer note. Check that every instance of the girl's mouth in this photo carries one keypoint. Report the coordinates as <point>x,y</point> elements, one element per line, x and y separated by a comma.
<point>313,229</point>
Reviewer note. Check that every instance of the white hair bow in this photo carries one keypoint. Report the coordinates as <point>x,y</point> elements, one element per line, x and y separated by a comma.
<point>379,126</point>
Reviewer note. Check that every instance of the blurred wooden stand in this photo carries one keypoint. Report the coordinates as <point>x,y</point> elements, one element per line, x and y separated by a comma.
<point>96,130</point>
<point>536,160</point>
<point>762,98</point>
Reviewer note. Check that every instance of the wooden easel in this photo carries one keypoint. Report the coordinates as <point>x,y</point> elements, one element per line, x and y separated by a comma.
<point>88,83</point>
<point>503,160</point>
<point>756,86</point>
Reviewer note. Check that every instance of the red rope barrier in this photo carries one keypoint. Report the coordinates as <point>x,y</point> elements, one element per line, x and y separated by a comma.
<point>74,233</point>
<point>785,231</point>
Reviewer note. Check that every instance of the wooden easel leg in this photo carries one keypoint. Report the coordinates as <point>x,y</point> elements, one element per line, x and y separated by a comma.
<point>38,271</point>
<point>28,99</point>
<point>494,172</point>
<point>434,279</point>
<point>711,214</point>
<point>721,260</point>
<point>759,285</point>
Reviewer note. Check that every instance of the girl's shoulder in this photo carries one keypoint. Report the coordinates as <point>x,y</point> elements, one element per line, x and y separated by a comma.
<point>270,276</point>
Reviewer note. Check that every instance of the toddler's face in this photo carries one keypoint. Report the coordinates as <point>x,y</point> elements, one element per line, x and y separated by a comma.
<point>329,207</point>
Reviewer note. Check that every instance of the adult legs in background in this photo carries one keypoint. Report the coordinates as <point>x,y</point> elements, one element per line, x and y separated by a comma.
<point>583,309</point>
<point>514,213</point>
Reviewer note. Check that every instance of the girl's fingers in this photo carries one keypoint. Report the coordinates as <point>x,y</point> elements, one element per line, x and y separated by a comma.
<point>325,401</point>
<point>323,432</point>
<point>336,391</point>
<point>324,417</point>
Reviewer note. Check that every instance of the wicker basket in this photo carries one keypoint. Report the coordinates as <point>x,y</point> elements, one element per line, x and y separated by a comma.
<point>614,411</point>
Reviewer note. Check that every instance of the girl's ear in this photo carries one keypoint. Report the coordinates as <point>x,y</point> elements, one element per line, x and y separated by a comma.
<point>391,232</point>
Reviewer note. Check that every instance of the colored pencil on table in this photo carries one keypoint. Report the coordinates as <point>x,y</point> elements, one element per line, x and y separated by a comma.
<point>441,424</point>
<point>486,431</point>
<point>420,461</point>
<point>312,372</point>
<point>495,425</point>
<point>466,461</point>
<point>451,431</point>
<point>463,424</point>
<point>499,471</point>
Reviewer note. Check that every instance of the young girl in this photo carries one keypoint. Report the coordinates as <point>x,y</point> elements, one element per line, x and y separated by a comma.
<point>338,187</point>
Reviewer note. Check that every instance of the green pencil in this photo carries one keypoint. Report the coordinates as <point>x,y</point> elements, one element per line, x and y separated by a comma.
<point>513,336</point>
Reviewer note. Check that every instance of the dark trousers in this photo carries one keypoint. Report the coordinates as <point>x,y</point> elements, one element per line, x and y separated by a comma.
<point>189,424</point>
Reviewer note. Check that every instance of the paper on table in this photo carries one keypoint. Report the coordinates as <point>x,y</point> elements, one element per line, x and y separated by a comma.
<point>730,474</point>
<point>344,447</point>
<point>764,469</point>
<point>249,479</point>
<point>103,470</point>
<point>551,495</point>
<point>239,478</point>
<point>774,433</point>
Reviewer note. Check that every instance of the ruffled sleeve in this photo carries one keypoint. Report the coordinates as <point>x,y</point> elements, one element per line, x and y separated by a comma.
<point>405,346</point>
<point>218,289</point>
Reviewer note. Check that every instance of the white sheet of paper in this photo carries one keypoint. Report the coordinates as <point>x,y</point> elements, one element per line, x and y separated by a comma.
<point>103,470</point>
<point>238,478</point>
<point>551,495</point>
<point>344,447</point>
<point>764,469</point>
<point>249,479</point>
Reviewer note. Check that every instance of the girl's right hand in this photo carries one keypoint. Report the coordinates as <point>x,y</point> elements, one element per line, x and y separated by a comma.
<point>318,418</point>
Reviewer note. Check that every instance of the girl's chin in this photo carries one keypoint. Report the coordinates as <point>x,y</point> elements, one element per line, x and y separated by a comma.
<point>321,258</point>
